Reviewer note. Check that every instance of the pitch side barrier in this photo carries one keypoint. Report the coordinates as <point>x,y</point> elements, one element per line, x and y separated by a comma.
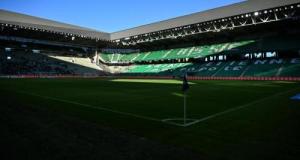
<point>156,77</point>
<point>217,78</point>
<point>49,76</point>
<point>248,78</point>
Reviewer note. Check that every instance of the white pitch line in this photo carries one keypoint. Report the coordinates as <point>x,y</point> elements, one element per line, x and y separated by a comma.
<point>154,119</point>
<point>169,121</point>
<point>242,106</point>
<point>227,111</point>
<point>92,107</point>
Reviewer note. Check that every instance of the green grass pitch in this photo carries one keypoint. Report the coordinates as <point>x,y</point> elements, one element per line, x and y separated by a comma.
<point>240,119</point>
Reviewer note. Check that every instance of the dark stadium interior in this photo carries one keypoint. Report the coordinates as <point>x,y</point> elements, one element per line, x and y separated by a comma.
<point>69,92</point>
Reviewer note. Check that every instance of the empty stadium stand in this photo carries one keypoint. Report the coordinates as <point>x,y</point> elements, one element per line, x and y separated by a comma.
<point>191,52</point>
<point>246,68</point>
<point>261,41</point>
<point>28,63</point>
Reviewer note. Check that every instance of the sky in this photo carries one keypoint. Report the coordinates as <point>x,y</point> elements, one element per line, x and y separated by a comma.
<point>110,15</point>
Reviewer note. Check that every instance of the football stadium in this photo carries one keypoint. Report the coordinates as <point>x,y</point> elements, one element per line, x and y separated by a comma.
<point>223,83</point>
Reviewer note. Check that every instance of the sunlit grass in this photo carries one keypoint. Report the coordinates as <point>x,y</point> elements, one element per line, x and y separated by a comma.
<point>161,81</point>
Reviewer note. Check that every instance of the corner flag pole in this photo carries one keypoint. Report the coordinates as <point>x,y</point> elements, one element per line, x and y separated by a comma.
<point>184,108</point>
<point>185,87</point>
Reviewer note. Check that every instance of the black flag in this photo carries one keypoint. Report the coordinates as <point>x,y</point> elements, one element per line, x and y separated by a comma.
<point>185,84</point>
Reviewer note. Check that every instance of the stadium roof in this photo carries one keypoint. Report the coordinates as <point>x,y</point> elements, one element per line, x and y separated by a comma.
<point>40,23</point>
<point>217,13</point>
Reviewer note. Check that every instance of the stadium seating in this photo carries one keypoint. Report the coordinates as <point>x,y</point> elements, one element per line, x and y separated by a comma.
<point>24,63</point>
<point>191,52</point>
<point>84,62</point>
<point>254,67</point>
<point>150,63</point>
<point>246,68</point>
<point>155,68</point>
<point>291,70</point>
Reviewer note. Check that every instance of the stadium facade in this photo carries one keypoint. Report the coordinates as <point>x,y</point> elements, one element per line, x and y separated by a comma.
<point>204,44</point>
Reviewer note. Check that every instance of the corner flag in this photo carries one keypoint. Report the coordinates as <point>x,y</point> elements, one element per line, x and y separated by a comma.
<point>185,84</point>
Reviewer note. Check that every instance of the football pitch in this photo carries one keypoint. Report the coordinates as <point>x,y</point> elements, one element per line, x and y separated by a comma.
<point>235,119</point>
